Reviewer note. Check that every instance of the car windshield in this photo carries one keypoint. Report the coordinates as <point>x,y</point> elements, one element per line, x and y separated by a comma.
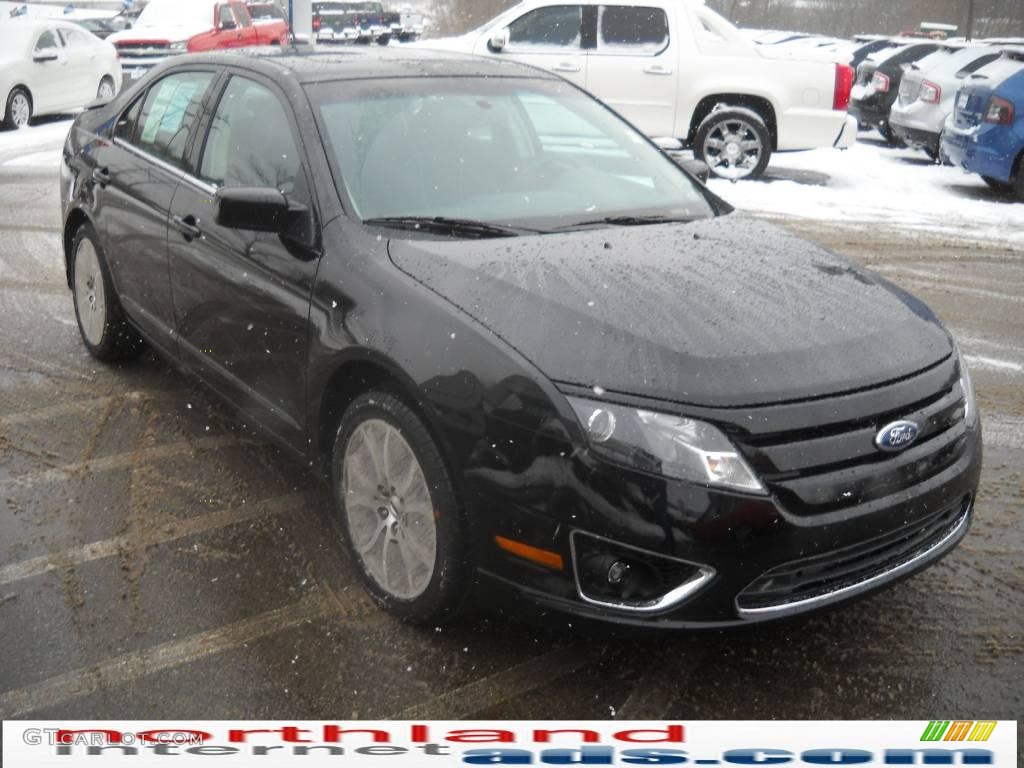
<point>525,152</point>
<point>177,13</point>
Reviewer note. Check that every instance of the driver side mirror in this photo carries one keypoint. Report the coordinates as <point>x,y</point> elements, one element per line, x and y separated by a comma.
<point>499,40</point>
<point>46,54</point>
<point>265,209</point>
<point>225,26</point>
<point>260,209</point>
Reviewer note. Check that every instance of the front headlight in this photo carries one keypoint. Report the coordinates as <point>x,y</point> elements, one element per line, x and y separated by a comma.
<point>180,47</point>
<point>967,385</point>
<point>671,446</point>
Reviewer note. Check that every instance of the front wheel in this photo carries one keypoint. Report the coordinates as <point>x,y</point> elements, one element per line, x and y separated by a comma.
<point>399,511</point>
<point>18,111</point>
<point>105,331</point>
<point>735,143</point>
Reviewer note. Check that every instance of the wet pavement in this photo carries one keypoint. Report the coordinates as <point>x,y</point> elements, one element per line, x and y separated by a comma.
<point>158,560</point>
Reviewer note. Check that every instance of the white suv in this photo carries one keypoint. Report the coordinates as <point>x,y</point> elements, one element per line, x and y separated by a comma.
<point>677,69</point>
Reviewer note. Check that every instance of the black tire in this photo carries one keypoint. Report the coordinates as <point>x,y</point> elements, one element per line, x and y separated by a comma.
<point>1019,182</point>
<point>10,120</point>
<point>116,341</point>
<point>890,136</point>
<point>444,595</point>
<point>997,185</point>
<point>718,120</point>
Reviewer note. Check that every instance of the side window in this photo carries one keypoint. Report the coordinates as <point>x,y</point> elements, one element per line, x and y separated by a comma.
<point>47,40</point>
<point>250,143</point>
<point>242,16</point>
<point>125,128</point>
<point>226,19</point>
<point>554,27</point>
<point>169,114</point>
<point>974,66</point>
<point>73,38</point>
<point>632,29</point>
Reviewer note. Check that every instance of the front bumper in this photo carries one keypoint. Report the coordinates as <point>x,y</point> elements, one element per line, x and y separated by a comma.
<point>739,559</point>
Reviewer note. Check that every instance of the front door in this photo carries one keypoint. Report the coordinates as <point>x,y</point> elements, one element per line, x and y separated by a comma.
<point>242,297</point>
<point>134,181</point>
<point>634,68</point>
<point>550,38</point>
<point>49,83</point>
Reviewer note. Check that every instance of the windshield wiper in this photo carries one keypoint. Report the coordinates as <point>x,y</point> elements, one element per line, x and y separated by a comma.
<point>630,221</point>
<point>448,225</point>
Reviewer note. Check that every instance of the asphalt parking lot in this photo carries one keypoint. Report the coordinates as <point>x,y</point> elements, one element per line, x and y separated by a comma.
<point>157,559</point>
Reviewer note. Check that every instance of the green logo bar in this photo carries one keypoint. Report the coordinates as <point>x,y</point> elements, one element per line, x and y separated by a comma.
<point>935,730</point>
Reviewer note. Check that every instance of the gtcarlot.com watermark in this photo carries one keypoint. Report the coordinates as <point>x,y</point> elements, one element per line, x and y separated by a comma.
<point>934,743</point>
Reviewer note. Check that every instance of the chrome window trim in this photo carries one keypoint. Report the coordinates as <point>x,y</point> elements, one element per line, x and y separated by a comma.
<point>799,606</point>
<point>670,599</point>
<point>171,169</point>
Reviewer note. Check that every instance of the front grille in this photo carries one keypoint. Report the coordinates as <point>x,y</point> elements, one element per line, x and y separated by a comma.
<point>823,575</point>
<point>832,466</point>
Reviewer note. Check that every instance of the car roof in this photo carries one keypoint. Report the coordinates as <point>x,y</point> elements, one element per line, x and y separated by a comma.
<point>357,64</point>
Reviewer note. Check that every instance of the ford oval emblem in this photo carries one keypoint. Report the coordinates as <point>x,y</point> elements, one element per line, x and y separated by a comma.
<point>897,436</point>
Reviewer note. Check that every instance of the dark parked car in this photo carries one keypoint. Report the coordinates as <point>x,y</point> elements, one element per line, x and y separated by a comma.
<point>878,85</point>
<point>527,349</point>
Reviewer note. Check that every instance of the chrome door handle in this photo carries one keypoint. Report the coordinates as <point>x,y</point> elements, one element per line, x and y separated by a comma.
<point>657,69</point>
<point>101,176</point>
<point>566,67</point>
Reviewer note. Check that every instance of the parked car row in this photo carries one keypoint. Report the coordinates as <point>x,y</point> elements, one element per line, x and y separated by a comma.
<point>363,22</point>
<point>962,104</point>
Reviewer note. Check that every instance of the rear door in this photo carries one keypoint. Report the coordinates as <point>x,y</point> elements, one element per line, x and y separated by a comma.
<point>248,33</point>
<point>134,180</point>
<point>241,297</point>
<point>82,69</point>
<point>551,38</point>
<point>634,66</point>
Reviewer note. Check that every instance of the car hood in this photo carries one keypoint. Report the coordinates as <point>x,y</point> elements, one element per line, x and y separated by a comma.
<point>719,313</point>
<point>172,32</point>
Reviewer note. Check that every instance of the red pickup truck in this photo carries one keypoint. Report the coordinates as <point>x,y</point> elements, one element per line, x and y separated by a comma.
<point>173,27</point>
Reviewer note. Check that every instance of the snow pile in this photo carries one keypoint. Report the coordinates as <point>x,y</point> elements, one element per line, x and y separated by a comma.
<point>38,146</point>
<point>874,184</point>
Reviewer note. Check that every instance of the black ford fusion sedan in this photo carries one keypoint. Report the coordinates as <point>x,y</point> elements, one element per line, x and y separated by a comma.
<point>526,348</point>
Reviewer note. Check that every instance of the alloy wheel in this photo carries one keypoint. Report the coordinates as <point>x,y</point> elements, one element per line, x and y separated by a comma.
<point>389,510</point>
<point>733,149</point>
<point>21,110</point>
<point>89,293</point>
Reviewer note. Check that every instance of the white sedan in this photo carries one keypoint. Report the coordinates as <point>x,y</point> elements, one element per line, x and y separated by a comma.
<point>49,67</point>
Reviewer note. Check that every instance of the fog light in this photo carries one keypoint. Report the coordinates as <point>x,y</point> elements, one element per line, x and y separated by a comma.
<point>617,572</point>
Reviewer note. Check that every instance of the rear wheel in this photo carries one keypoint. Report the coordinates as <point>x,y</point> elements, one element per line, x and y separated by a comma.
<point>106,89</point>
<point>105,331</point>
<point>18,111</point>
<point>399,511</point>
<point>1000,186</point>
<point>735,143</point>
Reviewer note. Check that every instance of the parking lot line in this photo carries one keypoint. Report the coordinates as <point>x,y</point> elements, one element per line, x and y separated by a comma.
<point>76,406</point>
<point>131,666</point>
<point>175,530</point>
<point>488,692</point>
<point>120,461</point>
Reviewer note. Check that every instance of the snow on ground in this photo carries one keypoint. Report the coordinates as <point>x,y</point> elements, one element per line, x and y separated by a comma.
<point>38,146</point>
<point>872,183</point>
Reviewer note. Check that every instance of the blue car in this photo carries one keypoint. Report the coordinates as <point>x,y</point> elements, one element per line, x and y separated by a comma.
<point>985,132</point>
